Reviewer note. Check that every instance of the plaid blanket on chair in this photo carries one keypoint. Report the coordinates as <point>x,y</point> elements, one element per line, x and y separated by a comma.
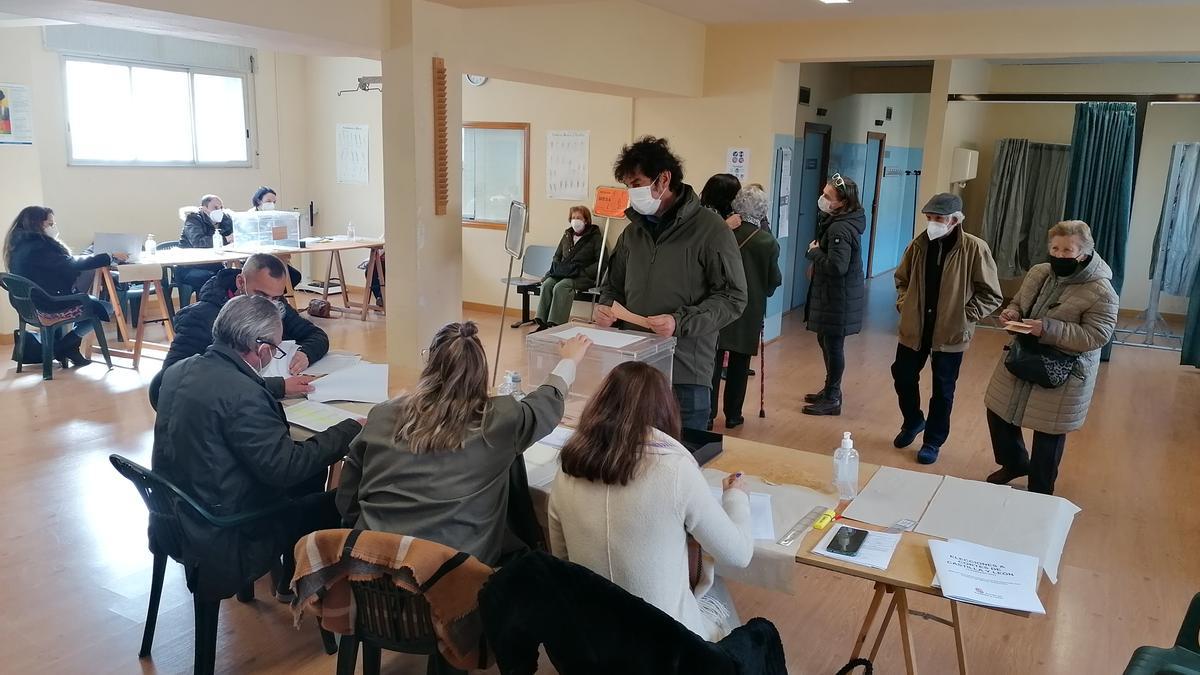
<point>328,560</point>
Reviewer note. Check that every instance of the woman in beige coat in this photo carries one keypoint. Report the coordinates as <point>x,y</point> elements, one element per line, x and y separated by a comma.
<point>1070,304</point>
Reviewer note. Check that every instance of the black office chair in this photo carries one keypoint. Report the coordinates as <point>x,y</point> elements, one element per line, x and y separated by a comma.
<point>50,314</point>
<point>167,504</point>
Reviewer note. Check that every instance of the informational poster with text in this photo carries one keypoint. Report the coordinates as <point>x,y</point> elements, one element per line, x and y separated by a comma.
<point>16,117</point>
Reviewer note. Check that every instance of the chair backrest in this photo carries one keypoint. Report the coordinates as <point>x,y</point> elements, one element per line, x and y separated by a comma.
<point>536,261</point>
<point>393,618</point>
<point>167,245</point>
<point>165,503</point>
<point>19,296</point>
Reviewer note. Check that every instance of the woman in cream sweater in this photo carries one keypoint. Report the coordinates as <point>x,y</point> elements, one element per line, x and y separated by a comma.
<point>629,495</point>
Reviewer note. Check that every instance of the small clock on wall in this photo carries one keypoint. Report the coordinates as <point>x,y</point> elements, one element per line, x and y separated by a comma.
<point>476,80</point>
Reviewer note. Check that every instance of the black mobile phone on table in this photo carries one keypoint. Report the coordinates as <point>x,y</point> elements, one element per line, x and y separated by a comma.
<point>847,541</point>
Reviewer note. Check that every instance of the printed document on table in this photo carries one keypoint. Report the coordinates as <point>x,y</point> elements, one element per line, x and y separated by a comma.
<point>762,520</point>
<point>559,437</point>
<point>987,576</point>
<point>876,550</point>
<point>366,382</point>
<point>603,338</point>
<point>315,416</point>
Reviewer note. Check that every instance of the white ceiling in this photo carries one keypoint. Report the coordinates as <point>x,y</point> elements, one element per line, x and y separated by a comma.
<point>754,11</point>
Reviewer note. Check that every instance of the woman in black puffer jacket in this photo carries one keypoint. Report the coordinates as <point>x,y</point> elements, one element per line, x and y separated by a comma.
<point>32,250</point>
<point>838,292</point>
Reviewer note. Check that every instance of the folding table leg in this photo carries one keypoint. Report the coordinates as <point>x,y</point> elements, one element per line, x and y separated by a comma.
<point>906,638</point>
<point>870,619</point>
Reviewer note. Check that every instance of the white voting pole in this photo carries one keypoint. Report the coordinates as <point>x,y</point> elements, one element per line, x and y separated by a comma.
<point>514,245</point>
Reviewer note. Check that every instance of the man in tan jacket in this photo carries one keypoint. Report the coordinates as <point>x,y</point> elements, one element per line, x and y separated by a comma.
<point>945,284</point>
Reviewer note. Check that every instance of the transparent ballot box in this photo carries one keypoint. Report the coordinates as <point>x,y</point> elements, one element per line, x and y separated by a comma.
<point>266,229</point>
<point>610,348</point>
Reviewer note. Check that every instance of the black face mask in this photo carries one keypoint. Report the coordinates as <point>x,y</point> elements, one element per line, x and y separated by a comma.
<point>1064,267</point>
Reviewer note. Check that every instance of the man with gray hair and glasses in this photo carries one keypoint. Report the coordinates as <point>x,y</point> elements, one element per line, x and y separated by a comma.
<point>222,438</point>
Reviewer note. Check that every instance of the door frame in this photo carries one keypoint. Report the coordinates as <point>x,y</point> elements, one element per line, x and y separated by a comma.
<point>874,206</point>
<point>798,247</point>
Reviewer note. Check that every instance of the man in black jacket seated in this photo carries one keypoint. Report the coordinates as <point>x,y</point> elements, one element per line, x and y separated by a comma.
<point>222,438</point>
<point>262,275</point>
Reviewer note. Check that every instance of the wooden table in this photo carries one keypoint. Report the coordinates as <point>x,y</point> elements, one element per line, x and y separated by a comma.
<point>374,271</point>
<point>911,567</point>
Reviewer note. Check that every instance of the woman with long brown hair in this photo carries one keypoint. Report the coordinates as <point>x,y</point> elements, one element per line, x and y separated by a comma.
<point>433,463</point>
<point>629,495</point>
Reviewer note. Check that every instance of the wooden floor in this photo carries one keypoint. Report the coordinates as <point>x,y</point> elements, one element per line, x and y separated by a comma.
<point>77,572</point>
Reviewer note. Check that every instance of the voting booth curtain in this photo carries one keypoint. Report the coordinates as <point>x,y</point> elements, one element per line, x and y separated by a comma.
<point>1177,240</point>
<point>1100,187</point>
<point>1025,198</point>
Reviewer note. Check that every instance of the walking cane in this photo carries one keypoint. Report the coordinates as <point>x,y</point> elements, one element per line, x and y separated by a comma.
<point>762,373</point>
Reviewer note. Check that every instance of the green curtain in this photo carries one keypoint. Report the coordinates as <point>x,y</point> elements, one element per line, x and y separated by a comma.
<point>1100,187</point>
<point>1191,331</point>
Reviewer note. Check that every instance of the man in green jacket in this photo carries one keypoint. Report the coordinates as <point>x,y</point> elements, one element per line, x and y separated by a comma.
<point>945,284</point>
<point>678,265</point>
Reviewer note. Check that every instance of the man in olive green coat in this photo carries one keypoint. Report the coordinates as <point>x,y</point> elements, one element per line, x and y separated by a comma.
<point>678,265</point>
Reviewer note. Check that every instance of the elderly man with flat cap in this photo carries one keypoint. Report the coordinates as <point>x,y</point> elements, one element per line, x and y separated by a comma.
<point>945,284</point>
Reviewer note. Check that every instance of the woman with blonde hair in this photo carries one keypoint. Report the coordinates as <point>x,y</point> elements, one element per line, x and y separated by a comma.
<point>434,463</point>
<point>1067,305</point>
<point>629,495</point>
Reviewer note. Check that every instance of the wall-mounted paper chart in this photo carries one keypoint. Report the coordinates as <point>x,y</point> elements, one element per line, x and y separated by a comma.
<point>567,164</point>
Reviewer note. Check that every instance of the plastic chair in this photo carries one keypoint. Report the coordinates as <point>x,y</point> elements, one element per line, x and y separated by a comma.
<point>48,313</point>
<point>167,504</point>
<point>534,265</point>
<point>1182,659</point>
<point>388,617</point>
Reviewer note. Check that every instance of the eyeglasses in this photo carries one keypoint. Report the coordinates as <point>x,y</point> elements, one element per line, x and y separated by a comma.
<point>838,182</point>
<point>276,352</point>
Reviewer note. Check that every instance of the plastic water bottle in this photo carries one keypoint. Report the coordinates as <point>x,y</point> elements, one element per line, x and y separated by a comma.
<point>845,468</point>
<point>505,388</point>
<point>516,392</point>
<point>350,231</point>
<point>151,246</point>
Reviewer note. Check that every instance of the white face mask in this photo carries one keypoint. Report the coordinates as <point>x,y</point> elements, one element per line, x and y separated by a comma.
<point>52,231</point>
<point>217,215</point>
<point>266,206</point>
<point>643,201</point>
<point>938,230</point>
<point>824,204</point>
<point>578,225</point>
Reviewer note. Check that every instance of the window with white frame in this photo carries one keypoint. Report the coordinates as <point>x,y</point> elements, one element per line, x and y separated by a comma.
<point>129,113</point>
<point>495,159</point>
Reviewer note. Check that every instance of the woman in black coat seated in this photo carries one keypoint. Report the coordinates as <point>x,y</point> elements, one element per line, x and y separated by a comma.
<point>32,250</point>
<point>573,269</point>
<point>265,199</point>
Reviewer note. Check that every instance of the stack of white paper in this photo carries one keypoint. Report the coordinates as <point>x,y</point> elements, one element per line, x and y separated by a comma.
<point>541,465</point>
<point>876,550</point>
<point>892,495</point>
<point>762,519</point>
<point>559,437</point>
<point>987,576</point>
<point>315,416</point>
<point>366,382</point>
<point>333,362</point>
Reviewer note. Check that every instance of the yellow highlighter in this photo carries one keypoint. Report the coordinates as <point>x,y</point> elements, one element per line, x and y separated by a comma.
<point>825,519</point>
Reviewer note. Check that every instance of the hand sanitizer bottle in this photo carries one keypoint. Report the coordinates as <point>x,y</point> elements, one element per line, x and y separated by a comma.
<point>150,246</point>
<point>845,468</point>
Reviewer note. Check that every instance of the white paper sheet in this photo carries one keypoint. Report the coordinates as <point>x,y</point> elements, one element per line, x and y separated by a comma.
<point>352,147</point>
<point>333,362</point>
<point>541,465</point>
<point>366,382</point>
<point>540,453</point>
<point>558,438</point>
<point>892,495</point>
<point>315,416</point>
<point>603,338</point>
<point>1001,517</point>
<point>773,566</point>
<point>987,576</point>
<point>567,164</point>
<point>762,519</point>
<point>876,550</point>
<point>279,367</point>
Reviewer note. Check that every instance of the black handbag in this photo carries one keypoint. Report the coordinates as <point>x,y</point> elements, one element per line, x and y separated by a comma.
<point>1037,363</point>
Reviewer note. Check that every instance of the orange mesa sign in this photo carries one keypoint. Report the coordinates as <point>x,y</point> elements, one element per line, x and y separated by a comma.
<point>611,202</point>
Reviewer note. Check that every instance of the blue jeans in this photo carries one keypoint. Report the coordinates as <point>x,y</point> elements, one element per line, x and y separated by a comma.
<point>694,402</point>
